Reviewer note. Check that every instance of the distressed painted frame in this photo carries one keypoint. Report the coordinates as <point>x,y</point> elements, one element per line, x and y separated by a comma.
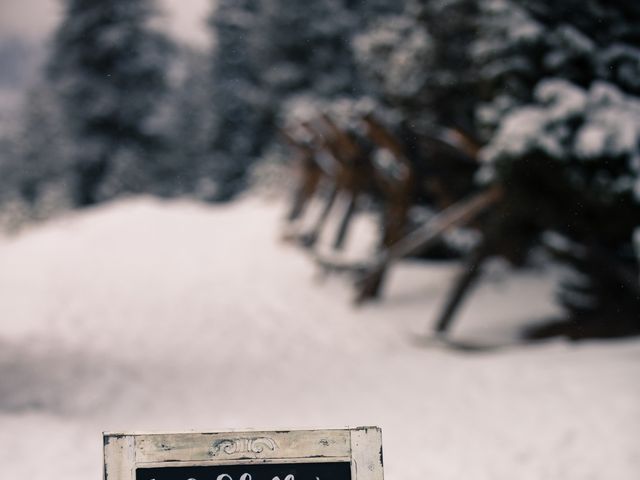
<point>361,447</point>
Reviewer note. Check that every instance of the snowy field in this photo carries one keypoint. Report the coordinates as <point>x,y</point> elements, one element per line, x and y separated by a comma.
<point>150,315</point>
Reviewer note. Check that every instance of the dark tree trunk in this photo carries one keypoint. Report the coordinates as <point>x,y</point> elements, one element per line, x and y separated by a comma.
<point>89,176</point>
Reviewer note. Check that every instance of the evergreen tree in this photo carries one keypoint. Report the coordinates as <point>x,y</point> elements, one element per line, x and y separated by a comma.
<point>521,42</point>
<point>42,147</point>
<point>306,47</point>
<point>421,62</point>
<point>108,63</point>
<point>238,133</point>
<point>186,163</point>
<point>8,147</point>
<point>395,55</point>
<point>564,114</point>
<point>268,51</point>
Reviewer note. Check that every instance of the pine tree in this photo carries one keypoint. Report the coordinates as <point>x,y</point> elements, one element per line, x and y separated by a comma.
<point>421,61</point>
<point>564,114</point>
<point>395,56</point>
<point>186,163</point>
<point>42,147</point>
<point>521,42</point>
<point>306,47</point>
<point>241,108</point>
<point>108,64</point>
<point>268,51</point>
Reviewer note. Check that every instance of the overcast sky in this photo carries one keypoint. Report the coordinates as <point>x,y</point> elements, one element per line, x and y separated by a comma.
<point>37,18</point>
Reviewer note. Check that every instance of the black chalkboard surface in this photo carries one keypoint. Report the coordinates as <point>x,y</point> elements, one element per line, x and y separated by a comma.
<point>255,471</point>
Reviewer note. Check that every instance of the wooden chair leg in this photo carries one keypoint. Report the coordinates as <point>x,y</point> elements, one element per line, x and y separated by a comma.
<point>297,205</point>
<point>371,286</point>
<point>306,189</point>
<point>309,239</point>
<point>395,222</point>
<point>341,236</point>
<point>461,288</point>
<point>300,199</point>
<point>394,225</point>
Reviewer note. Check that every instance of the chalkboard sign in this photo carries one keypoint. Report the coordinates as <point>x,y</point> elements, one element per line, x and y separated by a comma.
<point>345,454</point>
<point>269,471</point>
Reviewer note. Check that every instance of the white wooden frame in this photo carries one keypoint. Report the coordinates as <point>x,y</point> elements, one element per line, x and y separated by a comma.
<point>361,447</point>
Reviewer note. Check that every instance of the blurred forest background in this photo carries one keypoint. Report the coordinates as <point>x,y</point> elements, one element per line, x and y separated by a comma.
<point>545,96</point>
<point>193,192</point>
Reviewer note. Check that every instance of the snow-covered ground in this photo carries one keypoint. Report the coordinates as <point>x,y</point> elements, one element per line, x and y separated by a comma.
<point>150,315</point>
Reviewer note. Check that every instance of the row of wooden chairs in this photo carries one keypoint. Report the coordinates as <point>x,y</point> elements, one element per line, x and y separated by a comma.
<point>399,169</point>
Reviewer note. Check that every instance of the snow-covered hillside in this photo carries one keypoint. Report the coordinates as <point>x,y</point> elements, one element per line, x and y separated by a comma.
<point>148,315</point>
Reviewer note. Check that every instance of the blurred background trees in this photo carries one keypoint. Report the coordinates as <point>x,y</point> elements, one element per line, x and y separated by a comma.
<point>549,89</point>
<point>108,66</point>
<point>269,51</point>
<point>562,120</point>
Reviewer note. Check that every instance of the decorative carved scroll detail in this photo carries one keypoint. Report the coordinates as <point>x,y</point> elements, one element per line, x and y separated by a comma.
<point>231,446</point>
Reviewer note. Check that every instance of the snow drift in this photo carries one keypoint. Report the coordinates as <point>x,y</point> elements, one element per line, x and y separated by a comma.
<point>144,315</point>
